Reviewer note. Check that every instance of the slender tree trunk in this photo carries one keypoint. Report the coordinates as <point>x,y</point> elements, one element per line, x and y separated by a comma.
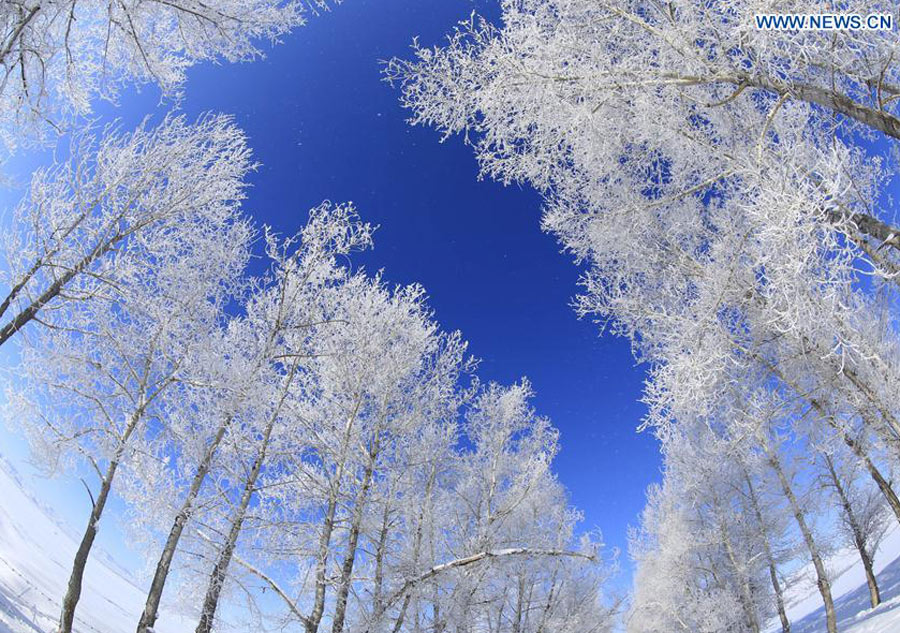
<point>770,559</point>
<point>891,435</point>
<point>746,594</point>
<point>821,576</point>
<point>858,538</point>
<point>30,312</point>
<point>827,98</point>
<point>220,569</point>
<point>343,592</point>
<point>73,589</point>
<point>889,419</point>
<point>315,616</point>
<point>497,625</point>
<point>380,554</point>
<point>41,261</point>
<point>417,545</point>
<point>779,596</point>
<point>398,623</point>
<point>874,593</point>
<point>17,33</point>
<point>151,607</point>
<point>545,612</point>
<point>19,285</point>
<point>520,606</point>
<point>883,485</point>
<point>439,623</point>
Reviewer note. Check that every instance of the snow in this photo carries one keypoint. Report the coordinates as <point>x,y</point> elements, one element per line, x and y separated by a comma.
<point>804,604</point>
<point>35,559</point>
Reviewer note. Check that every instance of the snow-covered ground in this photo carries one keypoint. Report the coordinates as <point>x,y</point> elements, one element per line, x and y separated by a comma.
<point>804,604</point>
<point>36,552</point>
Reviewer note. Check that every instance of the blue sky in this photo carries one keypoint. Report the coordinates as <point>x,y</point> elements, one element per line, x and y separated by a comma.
<point>325,126</point>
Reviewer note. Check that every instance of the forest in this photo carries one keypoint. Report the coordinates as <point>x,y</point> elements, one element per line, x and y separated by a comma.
<point>300,443</point>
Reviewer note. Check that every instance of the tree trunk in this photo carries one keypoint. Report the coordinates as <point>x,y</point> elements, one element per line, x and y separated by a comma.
<point>22,318</point>
<point>520,606</point>
<point>220,569</point>
<point>883,485</point>
<point>417,545</point>
<point>315,616</point>
<point>831,99</point>
<point>73,590</point>
<point>439,623</point>
<point>398,623</point>
<point>874,593</point>
<point>340,607</point>
<point>821,576</point>
<point>770,559</point>
<point>151,608</point>
<point>746,593</point>
<point>380,554</point>
<point>779,597</point>
<point>858,539</point>
<point>857,449</point>
<point>545,612</point>
<point>17,33</point>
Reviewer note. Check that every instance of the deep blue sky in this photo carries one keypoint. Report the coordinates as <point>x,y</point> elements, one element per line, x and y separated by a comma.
<point>325,126</point>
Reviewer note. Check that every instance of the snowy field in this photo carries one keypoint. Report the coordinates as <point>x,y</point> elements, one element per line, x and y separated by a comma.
<point>851,594</point>
<point>35,558</point>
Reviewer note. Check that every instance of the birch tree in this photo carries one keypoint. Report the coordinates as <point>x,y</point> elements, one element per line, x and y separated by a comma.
<point>676,588</point>
<point>385,540</point>
<point>717,181</point>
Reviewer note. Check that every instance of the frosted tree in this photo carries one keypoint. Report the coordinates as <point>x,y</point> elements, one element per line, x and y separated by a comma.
<point>252,357</point>
<point>507,506</point>
<point>776,445</point>
<point>676,588</point>
<point>697,202</point>
<point>770,525</point>
<point>411,554</point>
<point>57,56</point>
<point>93,222</point>
<point>705,491</point>
<point>740,483</point>
<point>98,382</point>
<point>363,490</point>
<point>564,89</point>
<point>387,380</point>
<point>413,382</point>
